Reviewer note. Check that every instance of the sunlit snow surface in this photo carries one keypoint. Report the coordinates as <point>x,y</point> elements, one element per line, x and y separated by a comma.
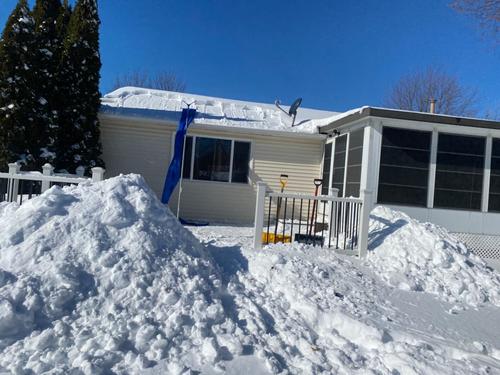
<point>101,278</point>
<point>167,105</point>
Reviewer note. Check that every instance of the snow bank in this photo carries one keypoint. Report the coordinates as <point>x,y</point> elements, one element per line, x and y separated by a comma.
<point>424,257</point>
<point>102,278</point>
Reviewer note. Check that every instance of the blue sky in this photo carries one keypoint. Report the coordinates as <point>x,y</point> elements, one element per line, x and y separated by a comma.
<point>335,54</point>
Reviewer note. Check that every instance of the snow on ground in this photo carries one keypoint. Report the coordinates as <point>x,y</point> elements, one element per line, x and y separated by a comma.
<point>167,105</point>
<point>101,278</point>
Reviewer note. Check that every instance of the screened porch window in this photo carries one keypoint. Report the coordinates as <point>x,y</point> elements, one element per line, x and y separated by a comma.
<point>213,159</point>
<point>459,172</point>
<point>354,159</point>
<point>494,202</point>
<point>326,168</point>
<point>339,164</point>
<point>404,167</point>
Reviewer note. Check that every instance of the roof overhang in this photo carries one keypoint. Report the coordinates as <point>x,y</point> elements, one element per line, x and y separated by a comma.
<point>216,128</point>
<point>411,116</point>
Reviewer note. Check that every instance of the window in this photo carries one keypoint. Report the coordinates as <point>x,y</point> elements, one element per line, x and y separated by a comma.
<point>241,160</point>
<point>213,159</point>
<point>339,164</point>
<point>354,158</point>
<point>327,158</point>
<point>459,172</point>
<point>188,150</point>
<point>404,167</point>
<point>494,202</point>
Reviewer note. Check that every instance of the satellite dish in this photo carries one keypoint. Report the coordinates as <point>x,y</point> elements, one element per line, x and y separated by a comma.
<point>293,108</point>
<point>292,112</point>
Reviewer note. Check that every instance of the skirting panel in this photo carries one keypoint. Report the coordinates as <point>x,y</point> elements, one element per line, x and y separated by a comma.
<point>483,245</point>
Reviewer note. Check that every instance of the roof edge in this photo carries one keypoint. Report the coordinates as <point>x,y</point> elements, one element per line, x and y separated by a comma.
<point>232,129</point>
<point>411,116</point>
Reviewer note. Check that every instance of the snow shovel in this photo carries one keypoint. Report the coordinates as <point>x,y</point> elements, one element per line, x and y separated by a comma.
<point>275,237</point>
<point>310,238</point>
<point>283,182</point>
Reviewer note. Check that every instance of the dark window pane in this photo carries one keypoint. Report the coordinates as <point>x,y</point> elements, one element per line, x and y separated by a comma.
<point>241,161</point>
<point>340,144</point>
<point>459,181</point>
<point>354,158</point>
<point>339,164</point>
<point>393,194</point>
<point>188,151</point>
<point>212,158</point>
<point>404,176</point>
<point>353,174</point>
<point>494,203</point>
<point>403,138</point>
<point>459,163</point>
<point>495,166</point>
<point>326,168</point>
<point>356,138</point>
<point>352,189</point>
<point>495,184</point>
<point>461,144</point>
<point>404,167</point>
<point>459,172</point>
<point>458,199</point>
<point>406,157</point>
<point>494,199</point>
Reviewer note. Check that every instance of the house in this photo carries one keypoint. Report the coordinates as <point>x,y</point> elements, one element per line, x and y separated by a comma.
<point>436,168</point>
<point>231,146</point>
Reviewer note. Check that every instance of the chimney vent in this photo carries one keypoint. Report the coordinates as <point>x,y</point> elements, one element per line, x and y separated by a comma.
<point>432,105</point>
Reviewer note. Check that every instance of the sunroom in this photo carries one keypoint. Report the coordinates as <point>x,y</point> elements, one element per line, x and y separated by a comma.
<point>435,168</point>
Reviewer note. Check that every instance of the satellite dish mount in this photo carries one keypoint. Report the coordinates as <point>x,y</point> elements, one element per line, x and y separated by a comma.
<point>292,112</point>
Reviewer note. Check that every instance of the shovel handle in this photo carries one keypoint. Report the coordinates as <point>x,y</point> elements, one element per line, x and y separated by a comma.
<point>318,182</point>
<point>283,181</point>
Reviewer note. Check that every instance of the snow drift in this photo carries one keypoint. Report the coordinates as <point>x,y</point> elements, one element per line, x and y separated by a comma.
<point>424,257</point>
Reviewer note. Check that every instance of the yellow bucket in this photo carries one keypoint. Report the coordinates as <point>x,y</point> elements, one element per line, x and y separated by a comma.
<point>271,238</point>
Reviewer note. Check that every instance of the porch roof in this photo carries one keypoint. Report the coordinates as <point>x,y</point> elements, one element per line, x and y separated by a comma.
<point>328,124</point>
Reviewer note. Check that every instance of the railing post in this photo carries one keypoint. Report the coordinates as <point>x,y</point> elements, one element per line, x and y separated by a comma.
<point>97,174</point>
<point>364,222</point>
<point>334,193</point>
<point>13,184</point>
<point>259,215</point>
<point>80,171</point>
<point>48,170</point>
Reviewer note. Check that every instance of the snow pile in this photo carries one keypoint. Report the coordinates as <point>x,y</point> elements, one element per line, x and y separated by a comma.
<point>424,257</point>
<point>305,310</point>
<point>166,105</point>
<point>102,278</point>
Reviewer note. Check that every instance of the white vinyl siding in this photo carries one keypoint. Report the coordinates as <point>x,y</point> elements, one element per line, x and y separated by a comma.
<point>134,147</point>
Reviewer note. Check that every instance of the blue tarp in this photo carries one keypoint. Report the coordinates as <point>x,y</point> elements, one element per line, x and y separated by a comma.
<point>174,171</point>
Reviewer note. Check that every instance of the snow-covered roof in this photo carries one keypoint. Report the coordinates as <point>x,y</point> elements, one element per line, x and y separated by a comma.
<point>167,105</point>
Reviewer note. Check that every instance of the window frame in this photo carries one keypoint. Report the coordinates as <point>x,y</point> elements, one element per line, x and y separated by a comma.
<point>481,191</point>
<point>427,168</point>
<point>231,160</point>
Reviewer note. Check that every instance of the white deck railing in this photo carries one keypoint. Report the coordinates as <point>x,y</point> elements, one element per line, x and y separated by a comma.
<point>17,185</point>
<point>325,220</point>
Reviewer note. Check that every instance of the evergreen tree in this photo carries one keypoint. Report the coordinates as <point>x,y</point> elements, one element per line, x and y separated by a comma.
<point>47,57</point>
<point>18,102</point>
<point>78,140</point>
